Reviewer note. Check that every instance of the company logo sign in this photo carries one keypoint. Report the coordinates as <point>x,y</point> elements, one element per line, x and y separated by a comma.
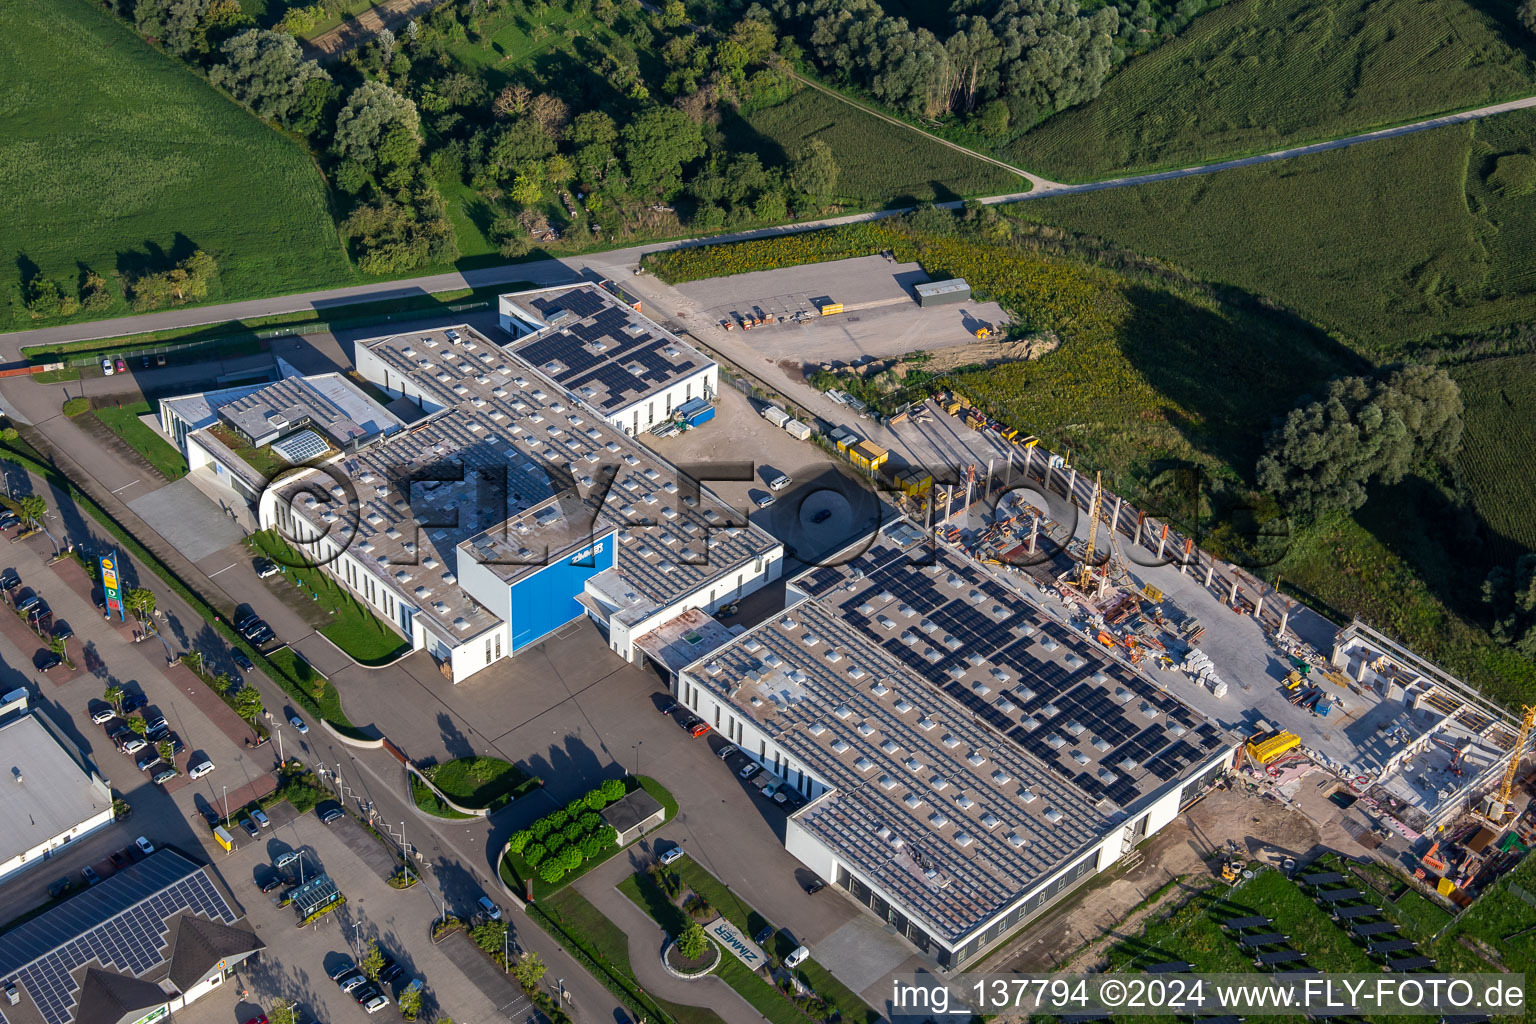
<point>587,555</point>
<point>110,587</point>
<point>744,949</point>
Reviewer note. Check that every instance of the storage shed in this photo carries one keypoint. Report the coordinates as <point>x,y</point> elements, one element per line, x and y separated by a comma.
<point>939,293</point>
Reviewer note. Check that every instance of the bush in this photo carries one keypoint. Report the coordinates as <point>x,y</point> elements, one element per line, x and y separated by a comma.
<point>573,832</point>
<point>535,853</point>
<point>556,819</point>
<point>596,800</point>
<point>575,808</point>
<point>75,406</point>
<point>520,840</point>
<point>692,942</point>
<point>540,828</point>
<point>491,936</point>
<point>591,846</point>
<point>571,858</point>
<point>590,821</point>
<point>552,872</point>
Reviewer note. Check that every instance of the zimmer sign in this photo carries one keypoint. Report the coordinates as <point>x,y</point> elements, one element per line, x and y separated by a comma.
<point>745,950</point>
<point>109,585</point>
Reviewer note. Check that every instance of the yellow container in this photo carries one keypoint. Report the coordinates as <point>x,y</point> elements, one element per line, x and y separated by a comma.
<point>1265,749</point>
<point>831,307</point>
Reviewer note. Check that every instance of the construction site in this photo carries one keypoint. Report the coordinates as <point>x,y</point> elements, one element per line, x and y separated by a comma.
<point>1432,770</point>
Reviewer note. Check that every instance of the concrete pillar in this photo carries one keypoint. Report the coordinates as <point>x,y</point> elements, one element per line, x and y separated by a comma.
<point>1008,472</point>
<point>1034,529</point>
<point>1285,616</point>
<point>1232,598</point>
<point>1162,541</point>
<point>1114,519</point>
<point>1189,545</point>
<point>1210,570</point>
<point>1258,607</point>
<point>1072,484</point>
<point>1050,473</point>
<point>1029,459</point>
<point>1141,517</point>
<point>986,487</point>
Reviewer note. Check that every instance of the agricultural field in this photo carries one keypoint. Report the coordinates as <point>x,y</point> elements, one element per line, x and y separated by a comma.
<point>1500,433</point>
<point>81,192</point>
<point>881,165</point>
<point>1257,75</point>
<point>1386,244</point>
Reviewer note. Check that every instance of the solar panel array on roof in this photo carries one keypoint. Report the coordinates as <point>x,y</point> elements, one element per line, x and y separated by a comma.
<point>301,447</point>
<point>605,349</point>
<point>120,924</point>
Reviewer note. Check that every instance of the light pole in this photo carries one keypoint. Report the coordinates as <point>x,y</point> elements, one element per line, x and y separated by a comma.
<point>405,854</point>
<point>226,807</point>
<point>506,965</point>
<point>280,758</point>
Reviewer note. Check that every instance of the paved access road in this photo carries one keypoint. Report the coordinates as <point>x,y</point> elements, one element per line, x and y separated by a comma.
<point>552,271</point>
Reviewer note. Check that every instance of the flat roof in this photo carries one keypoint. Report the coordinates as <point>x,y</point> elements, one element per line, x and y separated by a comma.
<point>327,403</point>
<point>606,352</point>
<point>954,284</point>
<point>54,793</point>
<point>685,639</point>
<point>504,442</point>
<point>974,745</point>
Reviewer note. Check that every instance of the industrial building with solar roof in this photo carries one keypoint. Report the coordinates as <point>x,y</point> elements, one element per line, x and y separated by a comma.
<point>503,502</point>
<point>964,758</point>
<point>132,949</point>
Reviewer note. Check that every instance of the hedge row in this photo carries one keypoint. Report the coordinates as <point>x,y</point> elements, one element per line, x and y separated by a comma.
<point>561,840</point>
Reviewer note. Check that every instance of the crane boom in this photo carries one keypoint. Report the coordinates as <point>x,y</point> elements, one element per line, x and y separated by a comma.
<point>1514,755</point>
<point>1093,532</point>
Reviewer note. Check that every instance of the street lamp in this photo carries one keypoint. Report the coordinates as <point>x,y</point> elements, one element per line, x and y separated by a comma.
<point>405,854</point>
<point>226,807</point>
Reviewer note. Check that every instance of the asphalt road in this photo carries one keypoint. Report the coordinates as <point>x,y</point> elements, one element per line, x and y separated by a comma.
<point>552,271</point>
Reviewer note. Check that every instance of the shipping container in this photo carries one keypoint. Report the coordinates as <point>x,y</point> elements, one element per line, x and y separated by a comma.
<point>703,415</point>
<point>830,308</point>
<point>867,455</point>
<point>223,838</point>
<point>773,414</point>
<point>937,293</point>
<point>799,431</point>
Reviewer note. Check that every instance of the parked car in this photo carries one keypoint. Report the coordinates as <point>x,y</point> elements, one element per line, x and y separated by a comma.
<point>342,969</point>
<point>157,724</point>
<point>377,1003</point>
<point>796,957</point>
<point>261,818</point>
<point>697,728</point>
<point>146,363</point>
<point>200,769</point>
<point>165,775</point>
<point>134,745</point>
<point>156,733</point>
<point>490,909</point>
<point>286,858</point>
<point>750,770</point>
<point>763,499</point>
<point>258,633</point>
<point>176,745</point>
<point>391,970</point>
<point>119,859</point>
<point>822,516</point>
<point>101,716</point>
<point>145,846</point>
<point>122,367</point>
<point>243,620</point>
<point>814,886</point>
<point>148,760</point>
<point>275,882</point>
<point>265,567</point>
<point>299,725</point>
<point>9,519</point>
<point>764,934</point>
<point>106,367</point>
<point>670,707</point>
<point>10,579</point>
<point>134,701</point>
<point>331,815</point>
<point>364,993</point>
<point>239,658</point>
<point>63,631</point>
<point>89,874</point>
<point>672,856</point>
<point>59,886</point>
<point>779,482</point>
<point>348,982</point>
<point>250,828</point>
<point>726,751</point>
<point>49,661</point>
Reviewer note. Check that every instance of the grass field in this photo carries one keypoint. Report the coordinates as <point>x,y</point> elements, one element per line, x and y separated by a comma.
<point>1257,75</point>
<point>353,628</point>
<point>881,165</point>
<point>124,421</point>
<point>477,781</point>
<point>1376,243</point>
<point>1499,437</point>
<point>96,170</point>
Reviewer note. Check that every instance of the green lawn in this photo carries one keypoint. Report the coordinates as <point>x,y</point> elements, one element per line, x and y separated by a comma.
<point>477,781</point>
<point>1256,75</point>
<point>609,946</point>
<point>353,627</point>
<point>881,164</point>
<point>96,170</point>
<point>124,421</point>
<point>1498,442</point>
<point>429,801</point>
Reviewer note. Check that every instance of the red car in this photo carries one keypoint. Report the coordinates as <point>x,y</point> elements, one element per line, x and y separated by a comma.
<point>122,367</point>
<point>260,1018</point>
<point>697,729</point>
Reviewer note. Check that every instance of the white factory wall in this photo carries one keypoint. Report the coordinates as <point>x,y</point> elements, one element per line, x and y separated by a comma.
<point>38,853</point>
<point>641,416</point>
<point>372,368</point>
<point>747,735</point>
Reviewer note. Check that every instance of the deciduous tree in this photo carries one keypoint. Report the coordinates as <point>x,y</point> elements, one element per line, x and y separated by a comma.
<point>267,72</point>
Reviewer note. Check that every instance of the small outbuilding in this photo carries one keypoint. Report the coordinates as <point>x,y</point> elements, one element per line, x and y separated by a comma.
<point>939,293</point>
<point>633,814</point>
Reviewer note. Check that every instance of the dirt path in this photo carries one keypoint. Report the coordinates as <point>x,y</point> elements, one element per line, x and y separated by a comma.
<point>362,27</point>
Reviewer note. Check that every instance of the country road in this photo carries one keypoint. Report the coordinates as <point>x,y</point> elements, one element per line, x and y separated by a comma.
<point>550,271</point>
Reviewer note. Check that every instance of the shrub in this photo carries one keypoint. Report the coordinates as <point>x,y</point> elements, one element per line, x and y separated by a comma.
<point>692,942</point>
<point>596,800</point>
<point>571,858</point>
<point>556,819</point>
<point>535,853</point>
<point>490,936</point>
<point>612,789</point>
<point>590,821</point>
<point>540,828</point>
<point>574,809</point>
<point>75,406</point>
<point>520,840</point>
<point>573,832</point>
<point>591,846</point>
<point>552,872</point>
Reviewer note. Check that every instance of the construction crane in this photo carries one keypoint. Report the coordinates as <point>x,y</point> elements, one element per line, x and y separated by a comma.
<point>1506,789</point>
<point>1093,533</point>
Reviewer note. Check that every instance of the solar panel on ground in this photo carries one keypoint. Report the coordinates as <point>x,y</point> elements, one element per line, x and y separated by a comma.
<point>1322,878</point>
<point>1246,922</point>
<point>1373,927</point>
<point>1338,895</point>
<point>1266,939</point>
<point>1410,963</point>
<point>1171,967</point>
<point>1279,956</point>
<point>1390,946</point>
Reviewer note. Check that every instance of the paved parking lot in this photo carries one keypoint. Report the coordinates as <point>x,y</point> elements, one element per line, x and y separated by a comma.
<point>297,961</point>
<point>881,316</point>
